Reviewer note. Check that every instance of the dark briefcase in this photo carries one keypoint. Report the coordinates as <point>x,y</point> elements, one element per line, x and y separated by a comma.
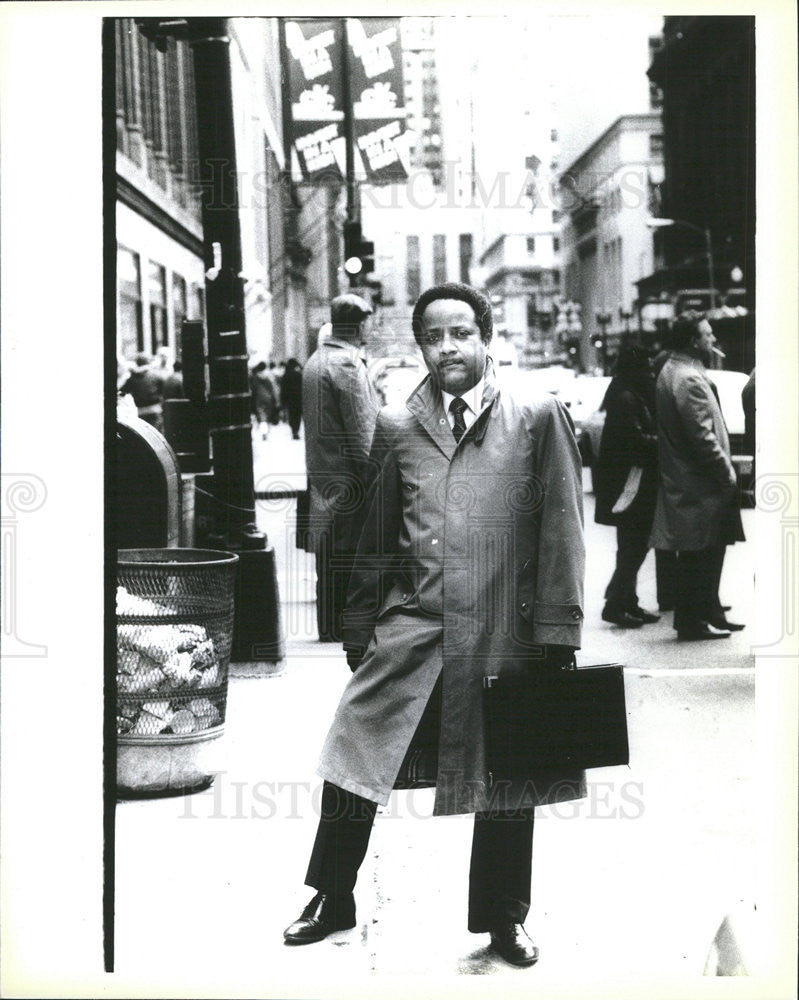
<point>544,719</point>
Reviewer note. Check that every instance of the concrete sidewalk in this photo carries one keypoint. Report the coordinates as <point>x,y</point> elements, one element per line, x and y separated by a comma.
<point>629,886</point>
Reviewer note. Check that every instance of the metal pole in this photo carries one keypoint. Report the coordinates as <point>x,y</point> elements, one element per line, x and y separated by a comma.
<point>709,244</point>
<point>353,201</point>
<point>227,343</point>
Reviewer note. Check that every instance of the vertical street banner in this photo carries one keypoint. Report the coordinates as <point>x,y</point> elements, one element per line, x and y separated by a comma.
<point>315,81</point>
<point>381,141</point>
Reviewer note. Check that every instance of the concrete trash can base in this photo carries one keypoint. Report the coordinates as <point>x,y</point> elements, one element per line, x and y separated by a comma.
<point>167,764</point>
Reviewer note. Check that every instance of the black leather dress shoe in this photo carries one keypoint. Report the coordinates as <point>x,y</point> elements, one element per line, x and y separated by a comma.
<point>704,630</point>
<point>323,915</point>
<point>512,943</point>
<point>647,617</point>
<point>621,618</point>
<point>722,623</point>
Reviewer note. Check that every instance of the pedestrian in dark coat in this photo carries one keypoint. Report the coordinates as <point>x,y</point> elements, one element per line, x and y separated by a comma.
<point>339,412</point>
<point>696,514</point>
<point>291,395</point>
<point>470,562</point>
<point>146,385</point>
<point>626,481</point>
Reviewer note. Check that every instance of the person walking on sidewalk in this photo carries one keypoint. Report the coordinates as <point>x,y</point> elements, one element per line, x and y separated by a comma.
<point>146,385</point>
<point>291,395</point>
<point>696,514</point>
<point>470,562</point>
<point>665,560</point>
<point>339,408</point>
<point>626,481</point>
<point>265,404</point>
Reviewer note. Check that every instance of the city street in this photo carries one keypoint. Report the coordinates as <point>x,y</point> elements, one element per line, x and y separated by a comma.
<point>629,886</point>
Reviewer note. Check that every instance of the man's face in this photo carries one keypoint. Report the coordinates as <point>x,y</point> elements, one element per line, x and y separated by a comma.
<point>703,342</point>
<point>451,345</point>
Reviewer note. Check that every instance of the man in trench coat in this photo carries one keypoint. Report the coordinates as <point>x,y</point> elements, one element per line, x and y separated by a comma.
<point>339,410</point>
<point>470,563</point>
<point>697,514</point>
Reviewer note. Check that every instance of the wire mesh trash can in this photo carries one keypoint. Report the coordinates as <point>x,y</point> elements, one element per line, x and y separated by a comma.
<point>174,632</point>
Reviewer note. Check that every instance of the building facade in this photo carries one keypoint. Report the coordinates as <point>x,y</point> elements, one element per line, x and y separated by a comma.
<point>607,246</point>
<point>706,71</point>
<point>161,271</point>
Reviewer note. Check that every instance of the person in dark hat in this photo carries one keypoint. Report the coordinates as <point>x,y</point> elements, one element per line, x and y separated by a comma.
<point>696,515</point>
<point>339,409</point>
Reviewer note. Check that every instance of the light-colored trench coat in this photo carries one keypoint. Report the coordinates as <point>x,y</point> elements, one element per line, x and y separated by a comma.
<point>696,497</point>
<point>470,556</point>
<point>339,411</point>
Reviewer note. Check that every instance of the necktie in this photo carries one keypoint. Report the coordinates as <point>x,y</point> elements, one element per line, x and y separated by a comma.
<point>456,408</point>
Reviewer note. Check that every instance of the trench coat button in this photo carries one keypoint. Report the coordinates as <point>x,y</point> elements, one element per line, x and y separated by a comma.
<point>576,615</point>
<point>525,605</point>
<point>442,420</point>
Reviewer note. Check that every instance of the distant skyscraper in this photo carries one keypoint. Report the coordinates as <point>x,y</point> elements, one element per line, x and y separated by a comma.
<point>422,98</point>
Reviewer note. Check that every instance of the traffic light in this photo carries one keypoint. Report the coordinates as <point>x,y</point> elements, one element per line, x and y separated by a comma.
<point>359,254</point>
<point>376,288</point>
<point>367,255</point>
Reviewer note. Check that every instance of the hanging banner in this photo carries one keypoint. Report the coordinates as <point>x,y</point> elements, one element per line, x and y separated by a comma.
<point>314,60</point>
<point>382,144</point>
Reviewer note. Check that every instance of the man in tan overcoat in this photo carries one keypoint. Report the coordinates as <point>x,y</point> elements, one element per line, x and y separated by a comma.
<point>339,411</point>
<point>697,514</point>
<point>470,563</point>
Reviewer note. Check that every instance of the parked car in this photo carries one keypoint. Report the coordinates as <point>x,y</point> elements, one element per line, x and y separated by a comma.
<point>729,385</point>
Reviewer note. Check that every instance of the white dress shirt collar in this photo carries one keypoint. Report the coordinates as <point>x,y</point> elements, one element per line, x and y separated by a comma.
<point>474,401</point>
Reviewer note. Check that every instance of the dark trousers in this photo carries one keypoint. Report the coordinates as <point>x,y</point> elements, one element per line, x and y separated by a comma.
<point>666,572</point>
<point>501,862</point>
<point>332,578</point>
<point>295,419</point>
<point>698,578</point>
<point>632,545</point>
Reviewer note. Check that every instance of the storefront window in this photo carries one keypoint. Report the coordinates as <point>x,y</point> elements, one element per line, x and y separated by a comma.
<point>129,318</point>
<point>156,285</point>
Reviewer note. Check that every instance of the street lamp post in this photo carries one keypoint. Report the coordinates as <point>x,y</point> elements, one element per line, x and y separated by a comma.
<point>654,223</point>
<point>601,342</point>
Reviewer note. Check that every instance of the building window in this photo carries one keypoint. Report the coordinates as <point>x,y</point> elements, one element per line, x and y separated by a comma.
<point>656,147</point>
<point>555,244</point>
<point>655,93</point>
<point>531,244</point>
<point>465,249</point>
<point>439,259</point>
<point>179,309</point>
<point>129,321</point>
<point>413,276</point>
<point>156,286</point>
